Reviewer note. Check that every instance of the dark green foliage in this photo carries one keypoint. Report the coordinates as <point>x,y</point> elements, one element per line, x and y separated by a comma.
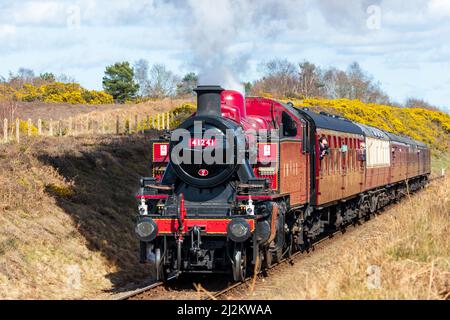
<point>119,82</point>
<point>187,84</point>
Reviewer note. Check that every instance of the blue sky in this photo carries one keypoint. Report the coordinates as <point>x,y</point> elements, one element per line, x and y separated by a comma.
<point>403,44</point>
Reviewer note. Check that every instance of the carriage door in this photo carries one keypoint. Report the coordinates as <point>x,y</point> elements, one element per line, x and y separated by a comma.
<point>418,159</point>
<point>293,162</point>
<point>361,158</point>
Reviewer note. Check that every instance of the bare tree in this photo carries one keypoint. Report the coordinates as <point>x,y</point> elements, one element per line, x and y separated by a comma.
<point>353,84</point>
<point>141,69</point>
<point>280,78</point>
<point>23,76</point>
<point>162,82</point>
<point>337,84</point>
<point>65,78</point>
<point>310,80</point>
<point>419,103</point>
<point>359,82</point>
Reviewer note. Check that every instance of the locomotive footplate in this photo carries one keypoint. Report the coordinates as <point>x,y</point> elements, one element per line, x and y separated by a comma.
<point>205,225</point>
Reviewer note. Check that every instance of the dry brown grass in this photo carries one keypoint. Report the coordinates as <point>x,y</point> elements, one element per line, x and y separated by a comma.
<point>409,243</point>
<point>128,112</point>
<point>56,111</point>
<point>95,119</point>
<point>67,204</point>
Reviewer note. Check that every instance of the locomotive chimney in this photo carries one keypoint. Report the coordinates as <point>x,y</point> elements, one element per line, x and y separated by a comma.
<point>208,100</point>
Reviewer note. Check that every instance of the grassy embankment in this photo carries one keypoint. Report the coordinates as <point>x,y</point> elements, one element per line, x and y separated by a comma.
<point>67,205</point>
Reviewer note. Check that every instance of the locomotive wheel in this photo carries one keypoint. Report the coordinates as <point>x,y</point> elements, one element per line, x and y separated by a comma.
<point>268,258</point>
<point>158,268</point>
<point>278,254</point>
<point>162,269</point>
<point>373,204</point>
<point>239,265</point>
<point>290,244</point>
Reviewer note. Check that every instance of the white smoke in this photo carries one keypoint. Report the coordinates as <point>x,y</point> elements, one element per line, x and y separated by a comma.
<point>213,28</point>
<point>222,34</point>
<point>215,31</point>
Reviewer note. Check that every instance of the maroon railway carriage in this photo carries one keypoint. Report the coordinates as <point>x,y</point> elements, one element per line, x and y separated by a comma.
<point>272,188</point>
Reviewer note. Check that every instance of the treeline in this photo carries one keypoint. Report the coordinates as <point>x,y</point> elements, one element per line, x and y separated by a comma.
<point>283,78</point>
<point>124,82</point>
<point>280,79</point>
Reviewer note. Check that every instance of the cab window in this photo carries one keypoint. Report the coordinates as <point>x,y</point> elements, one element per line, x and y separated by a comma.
<point>289,125</point>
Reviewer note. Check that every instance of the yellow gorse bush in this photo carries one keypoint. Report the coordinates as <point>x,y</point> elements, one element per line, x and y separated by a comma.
<point>24,126</point>
<point>58,92</point>
<point>180,113</point>
<point>430,127</point>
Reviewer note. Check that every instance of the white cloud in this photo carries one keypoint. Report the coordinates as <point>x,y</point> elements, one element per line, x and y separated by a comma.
<point>36,13</point>
<point>439,8</point>
<point>7,31</point>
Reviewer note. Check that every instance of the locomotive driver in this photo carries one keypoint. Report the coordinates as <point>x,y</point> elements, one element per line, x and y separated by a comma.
<point>323,145</point>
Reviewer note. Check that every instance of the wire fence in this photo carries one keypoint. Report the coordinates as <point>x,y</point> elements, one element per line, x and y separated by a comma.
<point>12,131</point>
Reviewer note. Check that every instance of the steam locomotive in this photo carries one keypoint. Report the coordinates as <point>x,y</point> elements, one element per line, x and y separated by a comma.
<point>244,182</point>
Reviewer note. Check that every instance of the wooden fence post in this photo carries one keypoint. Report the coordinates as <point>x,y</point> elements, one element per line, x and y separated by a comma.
<point>5,130</point>
<point>60,127</point>
<point>29,127</point>
<point>117,125</point>
<point>50,133</point>
<point>158,117</point>
<point>168,121</point>
<point>163,121</point>
<point>39,127</point>
<point>136,123</point>
<point>17,130</point>
<point>153,122</point>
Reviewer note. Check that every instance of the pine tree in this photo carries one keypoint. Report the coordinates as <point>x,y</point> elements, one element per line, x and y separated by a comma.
<point>119,81</point>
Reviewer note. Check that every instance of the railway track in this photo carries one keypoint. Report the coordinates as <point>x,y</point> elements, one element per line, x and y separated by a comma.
<point>139,291</point>
<point>143,293</point>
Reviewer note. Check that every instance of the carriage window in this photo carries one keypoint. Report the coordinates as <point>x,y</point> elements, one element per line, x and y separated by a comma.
<point>289,125</point>
<point>305,137</point>
<point>362,151</point>
<point>336,156</point>
<point>350,155</point>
